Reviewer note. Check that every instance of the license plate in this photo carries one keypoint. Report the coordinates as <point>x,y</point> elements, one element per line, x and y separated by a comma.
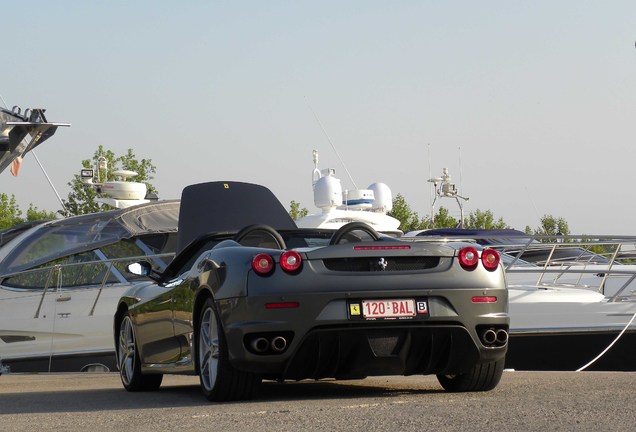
<point>398,308</point>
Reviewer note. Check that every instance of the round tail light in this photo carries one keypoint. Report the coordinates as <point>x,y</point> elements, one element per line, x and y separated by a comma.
<point>290,261</point>
<point>263,264</point>
<point>490,259</point>
<point>468,258</point>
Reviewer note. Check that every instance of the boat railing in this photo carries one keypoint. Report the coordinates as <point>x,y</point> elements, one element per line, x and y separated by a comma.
<point>559,260</point>
<point>579,261</point>
<point>92,274</point>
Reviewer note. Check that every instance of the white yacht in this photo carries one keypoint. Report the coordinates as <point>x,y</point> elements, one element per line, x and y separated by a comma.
<point>572,299</point>
<point>339,207</point>
<point>60,281</point>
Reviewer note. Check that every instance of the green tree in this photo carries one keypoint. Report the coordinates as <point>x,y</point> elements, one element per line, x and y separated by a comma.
<point>552,226</point>
<point>33,214</point>
<point>296,212</point>
<point>11,214</point>
<point>409,219</point>
<point>479,219</point>
<point>144,168</point>
<point>82,199</point>
<point>443,219</point>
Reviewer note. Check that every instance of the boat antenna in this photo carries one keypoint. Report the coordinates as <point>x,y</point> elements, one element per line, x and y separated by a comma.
<point>50,182</point>
<point>331,143</point>
<point>461,190</point>
<point>445,189</point>
<point>432,188</point>
<point>5,104</point>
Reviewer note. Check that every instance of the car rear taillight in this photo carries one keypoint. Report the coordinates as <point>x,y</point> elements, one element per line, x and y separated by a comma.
<point>263,264</point>
<point>290,261</point>
<point>468,258</point>
<point>490,259</point>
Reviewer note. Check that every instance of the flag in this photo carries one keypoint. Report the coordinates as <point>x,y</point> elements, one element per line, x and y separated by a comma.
<point>15,166</point>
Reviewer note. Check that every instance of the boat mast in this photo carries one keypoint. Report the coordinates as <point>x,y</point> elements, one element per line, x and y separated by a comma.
<point>445,189</point>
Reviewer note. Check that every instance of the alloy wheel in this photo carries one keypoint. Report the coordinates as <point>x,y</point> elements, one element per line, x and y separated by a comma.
<point>126,351</point>
<point>209,349</point>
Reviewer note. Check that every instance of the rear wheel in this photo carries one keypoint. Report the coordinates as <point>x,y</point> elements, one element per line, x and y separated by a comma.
<point>482,377</point>
<point>219,380</point>
<point>129,363</point>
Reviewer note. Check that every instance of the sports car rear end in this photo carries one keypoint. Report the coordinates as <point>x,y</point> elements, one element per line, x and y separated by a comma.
<point>361,309</point>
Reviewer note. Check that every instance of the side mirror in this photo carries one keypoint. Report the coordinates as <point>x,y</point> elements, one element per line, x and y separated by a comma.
<point>141,268</point>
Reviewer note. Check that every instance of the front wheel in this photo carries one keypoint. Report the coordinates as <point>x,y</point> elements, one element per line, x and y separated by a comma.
<point>219,380</point>
<point>481,377</point>
<point>129,363</point>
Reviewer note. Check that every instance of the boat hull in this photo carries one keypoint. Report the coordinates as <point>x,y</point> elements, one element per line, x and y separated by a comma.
<point>571,350</point>
<point>76,362</point>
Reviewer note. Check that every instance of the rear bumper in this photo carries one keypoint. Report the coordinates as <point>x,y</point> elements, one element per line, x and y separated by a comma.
<point>357,352</point>
<point>322,341</point>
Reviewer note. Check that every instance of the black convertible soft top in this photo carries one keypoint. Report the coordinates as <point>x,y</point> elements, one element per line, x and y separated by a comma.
<point>227,206</point>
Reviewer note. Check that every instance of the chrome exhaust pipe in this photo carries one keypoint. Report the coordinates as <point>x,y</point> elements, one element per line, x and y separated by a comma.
<point>489,337</point>
<point>259,344</point>
<point>279,344</point>
<point>502,336</point>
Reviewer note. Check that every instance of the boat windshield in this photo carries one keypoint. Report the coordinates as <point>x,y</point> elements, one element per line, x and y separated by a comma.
<point>147,224</point>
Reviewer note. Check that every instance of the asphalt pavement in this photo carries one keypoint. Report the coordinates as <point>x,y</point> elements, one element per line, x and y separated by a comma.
<point>523,401</point>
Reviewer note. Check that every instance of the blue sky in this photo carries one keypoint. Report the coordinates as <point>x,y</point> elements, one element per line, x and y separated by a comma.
<point>530,104</point>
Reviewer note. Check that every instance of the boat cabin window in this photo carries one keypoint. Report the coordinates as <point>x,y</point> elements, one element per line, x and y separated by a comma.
<point>79,270</point>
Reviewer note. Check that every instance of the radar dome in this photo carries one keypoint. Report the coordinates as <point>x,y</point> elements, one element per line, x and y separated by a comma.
<point>383,197</point>
<point>328,192</point>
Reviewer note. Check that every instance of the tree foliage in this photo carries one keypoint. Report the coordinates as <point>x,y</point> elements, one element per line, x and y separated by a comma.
<point>484,220</point>
<point>443,219</point>
<point>551,226</point>
<point>33,214</point>
<point>409,219</point>
<point>82,199</point>
<point>11,214</point>
<point>296,212</point>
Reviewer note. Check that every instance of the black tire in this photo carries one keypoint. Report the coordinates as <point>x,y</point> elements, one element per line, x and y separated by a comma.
<point>129,363</point>
<point>271,236</point>
<point>219,380</point>
<point>343,233</point>
<point>482,377</point>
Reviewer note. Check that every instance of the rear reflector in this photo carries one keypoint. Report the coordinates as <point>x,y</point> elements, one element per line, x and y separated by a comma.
<point>484,299</point>
<point>282,305</point>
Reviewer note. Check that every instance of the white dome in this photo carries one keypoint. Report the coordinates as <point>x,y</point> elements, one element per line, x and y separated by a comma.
<point>327,192</point>
<point>383,197</point>
<point>124,190</point>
